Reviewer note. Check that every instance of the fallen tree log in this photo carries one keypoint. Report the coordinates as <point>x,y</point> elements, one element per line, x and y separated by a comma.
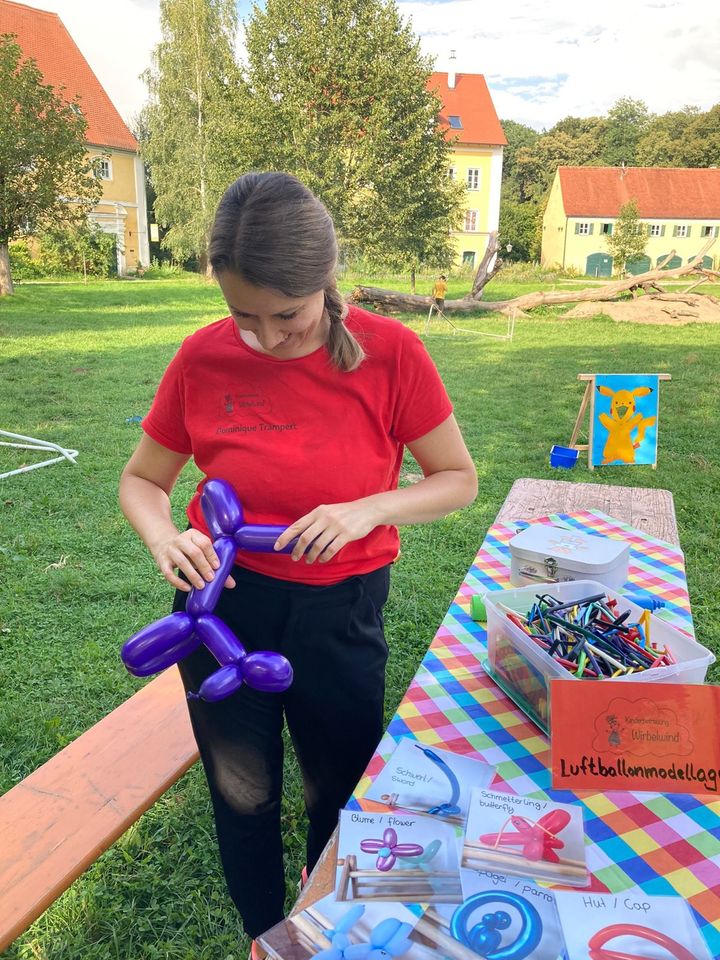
<point>393,300</point>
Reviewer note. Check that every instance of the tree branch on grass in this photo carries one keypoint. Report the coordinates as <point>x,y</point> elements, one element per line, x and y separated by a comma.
<point>608,291</point>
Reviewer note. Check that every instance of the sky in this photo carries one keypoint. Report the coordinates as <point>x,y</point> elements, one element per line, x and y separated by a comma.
<point>543,59</point>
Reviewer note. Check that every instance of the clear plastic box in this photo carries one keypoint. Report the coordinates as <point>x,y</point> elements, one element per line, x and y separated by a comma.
<point>525,671</point>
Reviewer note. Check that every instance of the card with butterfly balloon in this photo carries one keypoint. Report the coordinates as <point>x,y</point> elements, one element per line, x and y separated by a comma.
<point>527,836</point>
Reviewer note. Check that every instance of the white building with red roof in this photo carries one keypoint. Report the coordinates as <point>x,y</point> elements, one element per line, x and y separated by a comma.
<point>471,124</point>
<point>679,209</point>
<point>122,210</point>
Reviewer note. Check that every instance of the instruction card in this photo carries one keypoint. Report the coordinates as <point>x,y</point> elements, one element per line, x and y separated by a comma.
<point>635,736</point>
<point>530,911</point>
<point>525,836</point>
<point>397,856</point>
<point>628,924</point>
<point>426,779</point>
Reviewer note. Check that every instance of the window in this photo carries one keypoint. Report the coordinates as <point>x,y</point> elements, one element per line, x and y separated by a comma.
<point>103,168</point>
<point>656,230</point>
<point>451,172</point>
<point>708,231</point>
<point>470,221</point>
<point>468,258</point>
<point>473,178</point>
<point>455,123</point>
<point>584,229</point>
<point>681,230</point>
<point>607,229</point>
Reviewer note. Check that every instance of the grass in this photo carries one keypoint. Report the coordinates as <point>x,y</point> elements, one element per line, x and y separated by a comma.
<point>75,363</point>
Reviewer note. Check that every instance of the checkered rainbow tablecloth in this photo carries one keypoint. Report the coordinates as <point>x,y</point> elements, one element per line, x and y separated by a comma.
<point>663,843</point>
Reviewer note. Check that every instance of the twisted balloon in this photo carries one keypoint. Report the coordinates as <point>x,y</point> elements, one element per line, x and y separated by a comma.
<point>170,639</point>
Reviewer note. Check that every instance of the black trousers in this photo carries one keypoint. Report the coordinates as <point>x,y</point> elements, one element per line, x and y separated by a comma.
<point>334,639</point>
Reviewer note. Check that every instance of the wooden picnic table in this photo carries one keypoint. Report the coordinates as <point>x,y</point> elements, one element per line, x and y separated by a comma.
<point>649,510</point>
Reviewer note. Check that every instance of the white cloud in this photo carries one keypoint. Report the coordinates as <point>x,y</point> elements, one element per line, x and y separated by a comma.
<point>543,59</point>
<point>581,56</point>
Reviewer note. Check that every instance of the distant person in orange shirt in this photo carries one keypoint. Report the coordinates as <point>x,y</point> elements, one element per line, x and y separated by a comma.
<point>438,292</point>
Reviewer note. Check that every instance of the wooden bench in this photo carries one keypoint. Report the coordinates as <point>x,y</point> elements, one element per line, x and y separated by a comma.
<point>56,822</point>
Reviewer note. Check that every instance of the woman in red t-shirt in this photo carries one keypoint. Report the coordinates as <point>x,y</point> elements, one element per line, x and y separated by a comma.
<point>305,405</point>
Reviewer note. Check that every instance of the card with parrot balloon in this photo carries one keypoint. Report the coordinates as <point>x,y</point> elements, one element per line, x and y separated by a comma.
<point>429,780</point>
<point>500,916</point>
<point>597,926</point>
<point>397,856</point>
<point>525,836</point>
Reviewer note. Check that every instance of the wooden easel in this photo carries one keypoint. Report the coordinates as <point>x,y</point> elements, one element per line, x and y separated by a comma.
<point>408,886</point>
<point>589,379</point>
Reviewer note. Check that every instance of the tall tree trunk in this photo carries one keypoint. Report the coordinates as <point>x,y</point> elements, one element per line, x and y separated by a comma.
<point>412,280</point>
<point>6,284</point>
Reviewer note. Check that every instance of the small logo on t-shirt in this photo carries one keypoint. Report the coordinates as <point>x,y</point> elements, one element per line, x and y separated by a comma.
<point>238,404</point>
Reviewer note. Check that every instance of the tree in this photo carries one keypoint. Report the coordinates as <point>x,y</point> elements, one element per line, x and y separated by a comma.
<point>187,126</point>
<point>46,177</point>
<point>629,237</point>
<point>627,122</point>
<point>336,92</point>
<point>519,227</point>
<point>664,143</point>
<point>518,135</point>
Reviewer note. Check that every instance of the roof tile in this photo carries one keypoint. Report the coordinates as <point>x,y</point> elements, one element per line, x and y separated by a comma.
<point>42,35</point>
<point>470,100</point>
<point>660,192</point>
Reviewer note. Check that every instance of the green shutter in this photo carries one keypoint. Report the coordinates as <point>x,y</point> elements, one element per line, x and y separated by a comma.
<point>649,230</point>
<point>717,231</point>
<point>675,230</point>
<point>662,230</point>
<point>592,228</point>
<point>689,229</point>
<point>577,228</point>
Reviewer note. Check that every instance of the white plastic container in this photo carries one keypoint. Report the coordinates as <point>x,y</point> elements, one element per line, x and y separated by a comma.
<point>525,671</point>
<point>545,554</point>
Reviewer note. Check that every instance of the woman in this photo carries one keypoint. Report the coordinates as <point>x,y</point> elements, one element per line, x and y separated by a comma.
<point>304,405</point>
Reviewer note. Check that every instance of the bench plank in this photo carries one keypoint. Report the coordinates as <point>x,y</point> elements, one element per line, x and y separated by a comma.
<point>58,821</point>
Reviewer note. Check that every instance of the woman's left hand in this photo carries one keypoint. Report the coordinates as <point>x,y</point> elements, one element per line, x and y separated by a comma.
<point>326,529</point>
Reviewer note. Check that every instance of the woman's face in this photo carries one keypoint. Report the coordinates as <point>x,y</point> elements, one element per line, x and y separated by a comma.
<point>271,322</point>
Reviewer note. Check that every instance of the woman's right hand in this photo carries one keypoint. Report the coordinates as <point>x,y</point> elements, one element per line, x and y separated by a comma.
<point>192,553</point>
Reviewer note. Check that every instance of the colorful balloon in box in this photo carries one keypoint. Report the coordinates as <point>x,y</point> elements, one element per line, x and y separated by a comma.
<point>168,640</point>
<point>580,630</point>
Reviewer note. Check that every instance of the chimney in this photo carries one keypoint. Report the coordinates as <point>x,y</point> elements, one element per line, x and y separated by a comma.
<point>451,71</point>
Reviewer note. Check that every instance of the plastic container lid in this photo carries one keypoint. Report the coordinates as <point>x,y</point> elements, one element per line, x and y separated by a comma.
<point>581,551</point>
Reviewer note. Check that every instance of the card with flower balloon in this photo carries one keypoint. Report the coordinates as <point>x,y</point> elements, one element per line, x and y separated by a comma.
<point>525,836</point>
<point>500,916</point>
<point>397,856</point>
<point>422,779</point>
<point>602,926</point>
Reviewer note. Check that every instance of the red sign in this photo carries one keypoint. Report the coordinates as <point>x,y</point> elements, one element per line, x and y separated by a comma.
<point>635,736</point>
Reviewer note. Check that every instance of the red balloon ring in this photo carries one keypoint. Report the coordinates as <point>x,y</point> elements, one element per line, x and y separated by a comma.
<point>598,950</point>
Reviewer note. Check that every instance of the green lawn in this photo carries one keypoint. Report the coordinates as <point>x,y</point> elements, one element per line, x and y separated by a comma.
<point>75,582</point>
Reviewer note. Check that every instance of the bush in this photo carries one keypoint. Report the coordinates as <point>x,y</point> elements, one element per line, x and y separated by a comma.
<point>23,265</point>
<point>84,249</point>
<point>166,270</point>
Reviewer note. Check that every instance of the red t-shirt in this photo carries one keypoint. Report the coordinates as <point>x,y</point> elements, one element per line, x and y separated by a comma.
<point>290,435</point>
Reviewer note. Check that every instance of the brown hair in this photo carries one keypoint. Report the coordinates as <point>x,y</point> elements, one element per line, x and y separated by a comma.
<point>272,231</point>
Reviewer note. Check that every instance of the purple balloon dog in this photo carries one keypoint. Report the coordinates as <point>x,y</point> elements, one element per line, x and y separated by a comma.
<point>166,641</point>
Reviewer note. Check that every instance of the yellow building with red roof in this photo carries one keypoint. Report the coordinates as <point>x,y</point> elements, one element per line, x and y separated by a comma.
<point>679,207</point>
<point>122,211</point>
<point>471,125</point>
